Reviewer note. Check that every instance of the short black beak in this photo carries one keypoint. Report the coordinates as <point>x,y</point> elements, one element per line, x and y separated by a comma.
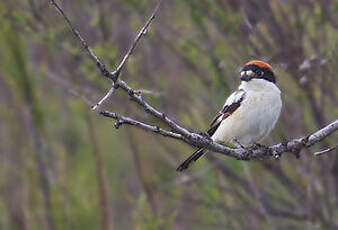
<point>245,77</point>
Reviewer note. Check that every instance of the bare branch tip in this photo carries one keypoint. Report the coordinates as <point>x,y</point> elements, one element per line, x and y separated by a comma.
<point>94,107</point>
<point>320,153</point>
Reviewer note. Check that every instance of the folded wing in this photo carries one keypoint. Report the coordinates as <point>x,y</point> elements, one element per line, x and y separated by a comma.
<point>231,105</point>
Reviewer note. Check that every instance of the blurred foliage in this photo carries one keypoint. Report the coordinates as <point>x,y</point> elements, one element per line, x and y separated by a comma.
<point>64,167</point>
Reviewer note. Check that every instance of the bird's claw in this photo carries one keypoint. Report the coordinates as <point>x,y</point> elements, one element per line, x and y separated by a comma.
<point>238,144</point>
<point>258,146</point>
<point>205,134</point>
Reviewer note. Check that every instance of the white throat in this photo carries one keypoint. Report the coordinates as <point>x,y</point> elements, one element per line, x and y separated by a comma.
<point>259,85</point>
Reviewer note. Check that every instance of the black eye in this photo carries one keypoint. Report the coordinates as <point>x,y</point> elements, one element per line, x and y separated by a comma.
<point>260,73</point>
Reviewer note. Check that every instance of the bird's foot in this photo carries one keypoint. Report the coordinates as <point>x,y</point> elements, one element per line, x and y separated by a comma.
<point>238,144</point>
<point>205,134</point>
<point>258,146</point>
<point>227,144</point>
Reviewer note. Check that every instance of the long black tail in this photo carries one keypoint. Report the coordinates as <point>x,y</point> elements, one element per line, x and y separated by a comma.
<point>194,157</point>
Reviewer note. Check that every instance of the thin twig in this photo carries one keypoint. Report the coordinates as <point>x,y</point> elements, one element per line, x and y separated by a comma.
<point>77,34</point>
<point>120,120</point>
<point>319,153</point>
<point>141,33</point>
<point>148,92</point>
<point>68,87</point>
<point>151,110</point>
<point>110,92</point>
<point>117,72</point>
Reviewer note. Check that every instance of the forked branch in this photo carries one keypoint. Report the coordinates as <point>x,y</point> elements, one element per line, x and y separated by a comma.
<point>177,131</point>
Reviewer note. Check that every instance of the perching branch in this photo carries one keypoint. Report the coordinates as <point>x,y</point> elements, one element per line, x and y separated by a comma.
<point>179,132</point>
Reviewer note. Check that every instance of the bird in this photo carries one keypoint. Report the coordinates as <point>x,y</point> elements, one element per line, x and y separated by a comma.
<point>249,113</point>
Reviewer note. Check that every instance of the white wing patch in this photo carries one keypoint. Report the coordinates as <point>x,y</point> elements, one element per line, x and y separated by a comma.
<point>235,97</point>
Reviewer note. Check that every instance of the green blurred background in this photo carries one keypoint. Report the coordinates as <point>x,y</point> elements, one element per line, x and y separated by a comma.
<point>62,166</point>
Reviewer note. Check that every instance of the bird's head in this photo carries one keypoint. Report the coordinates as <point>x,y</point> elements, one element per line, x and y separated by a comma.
<point>257,70</point>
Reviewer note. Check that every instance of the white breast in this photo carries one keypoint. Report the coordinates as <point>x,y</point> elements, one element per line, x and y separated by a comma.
<point>256,116</point>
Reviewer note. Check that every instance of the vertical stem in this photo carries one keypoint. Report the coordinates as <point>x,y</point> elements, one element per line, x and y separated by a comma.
<point>105,203</point>
<point>256,191</point>
<point>44,183</point>
<point>146,188</point>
